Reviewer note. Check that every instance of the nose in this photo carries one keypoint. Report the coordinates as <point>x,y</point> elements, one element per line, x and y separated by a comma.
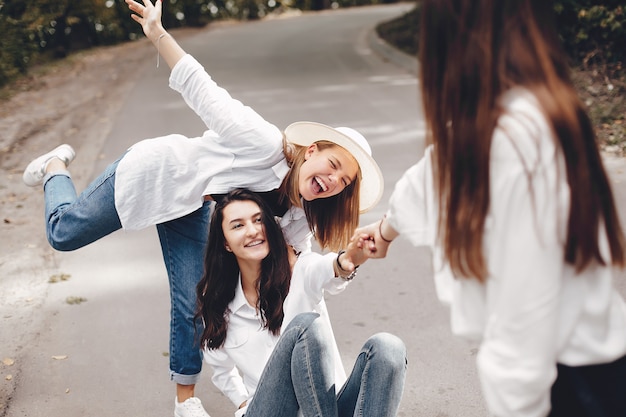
<point>335,178</point>
<point>252,229</point>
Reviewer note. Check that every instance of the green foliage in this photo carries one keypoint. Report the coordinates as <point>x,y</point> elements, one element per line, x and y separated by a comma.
<point>36,30</point>
<point>16,46</point>
<point>593,33</point>
<point>39,30</point>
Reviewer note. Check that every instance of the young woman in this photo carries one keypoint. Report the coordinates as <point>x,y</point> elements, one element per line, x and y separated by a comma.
<point>513,197</point>
<point>318,179</point>
<point>264,355</point>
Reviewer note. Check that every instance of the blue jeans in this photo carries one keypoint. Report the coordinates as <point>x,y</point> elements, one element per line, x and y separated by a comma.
<point>183,243</point>
<point>300,375</point>
<point>74,221</point>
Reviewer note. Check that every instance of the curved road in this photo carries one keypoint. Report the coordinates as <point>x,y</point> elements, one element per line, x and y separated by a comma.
<point>315,66</point>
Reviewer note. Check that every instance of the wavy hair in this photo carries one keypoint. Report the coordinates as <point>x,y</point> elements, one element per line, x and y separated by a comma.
<point>471,52</point>
<point>217,287</point>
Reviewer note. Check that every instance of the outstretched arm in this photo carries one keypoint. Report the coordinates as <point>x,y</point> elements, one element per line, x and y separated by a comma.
<point>148,15</point>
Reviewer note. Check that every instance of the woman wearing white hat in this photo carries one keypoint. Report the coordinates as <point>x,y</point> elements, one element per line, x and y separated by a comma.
<point>317,178</point>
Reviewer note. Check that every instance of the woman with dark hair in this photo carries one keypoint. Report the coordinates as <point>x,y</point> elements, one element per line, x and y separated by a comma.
<point>267,334</point>
<point>514,199</point>
<point>318,179</point>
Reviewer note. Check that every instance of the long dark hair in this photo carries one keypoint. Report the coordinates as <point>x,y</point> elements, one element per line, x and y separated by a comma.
<point>217,287</point>
<point>471,52</point>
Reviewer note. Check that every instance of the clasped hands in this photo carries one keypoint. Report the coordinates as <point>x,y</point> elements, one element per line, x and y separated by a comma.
<point>370,241</point>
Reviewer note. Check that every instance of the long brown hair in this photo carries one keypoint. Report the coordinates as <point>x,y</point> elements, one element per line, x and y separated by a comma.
<point>471,52</point>
<point>219,282</point>
<point>332,219</point>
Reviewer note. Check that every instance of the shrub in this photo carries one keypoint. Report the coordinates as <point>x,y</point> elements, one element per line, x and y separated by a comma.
<point>593,33</point>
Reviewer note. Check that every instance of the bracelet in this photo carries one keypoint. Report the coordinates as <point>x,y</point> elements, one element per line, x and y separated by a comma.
<point>352,274</point>
<point>380,230</point>
<point>158,42</point>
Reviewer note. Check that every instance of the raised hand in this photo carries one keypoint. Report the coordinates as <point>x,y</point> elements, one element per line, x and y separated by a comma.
<point>148,15</point>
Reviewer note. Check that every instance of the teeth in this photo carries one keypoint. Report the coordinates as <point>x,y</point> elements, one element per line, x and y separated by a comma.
<point>321,184</point>
<point>255,243</point>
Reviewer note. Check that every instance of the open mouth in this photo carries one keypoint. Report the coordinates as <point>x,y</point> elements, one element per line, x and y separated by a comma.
<point>319,186</point>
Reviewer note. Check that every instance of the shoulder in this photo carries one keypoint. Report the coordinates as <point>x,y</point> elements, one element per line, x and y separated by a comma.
<point>523,134</point>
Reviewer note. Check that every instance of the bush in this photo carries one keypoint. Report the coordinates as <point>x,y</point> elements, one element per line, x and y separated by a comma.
<point>16,45</point>
<point>593,33</point>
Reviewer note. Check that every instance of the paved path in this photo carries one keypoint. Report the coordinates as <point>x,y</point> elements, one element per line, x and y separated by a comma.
<point>107,356</point>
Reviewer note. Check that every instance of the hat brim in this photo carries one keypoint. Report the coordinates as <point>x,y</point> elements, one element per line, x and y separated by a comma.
<point>372,183</point>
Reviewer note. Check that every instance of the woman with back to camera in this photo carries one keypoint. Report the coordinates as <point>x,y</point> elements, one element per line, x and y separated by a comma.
<point>514,199</point>
<point>318,179</point>
<point>267,358</point>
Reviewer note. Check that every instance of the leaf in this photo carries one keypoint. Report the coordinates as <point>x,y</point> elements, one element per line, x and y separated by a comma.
<point>75,300</point>
<point>8,377</point>
<point>8,361</point>
<point>59,357</point>
<point>58,277</point>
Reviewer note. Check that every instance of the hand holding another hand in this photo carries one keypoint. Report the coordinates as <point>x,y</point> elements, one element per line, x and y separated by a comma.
<point>370,240</point>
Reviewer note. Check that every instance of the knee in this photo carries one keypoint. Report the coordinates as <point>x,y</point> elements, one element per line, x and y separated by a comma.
<point>388,349</point>
<point>303,320</point>
<point>62,245</point>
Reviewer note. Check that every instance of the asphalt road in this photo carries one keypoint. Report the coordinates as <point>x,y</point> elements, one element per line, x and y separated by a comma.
<point>111,350</point>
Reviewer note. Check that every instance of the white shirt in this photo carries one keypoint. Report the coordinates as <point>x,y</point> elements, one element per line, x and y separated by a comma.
<point>238,364</point>
<point>165,178</point>
<point>533,310</point>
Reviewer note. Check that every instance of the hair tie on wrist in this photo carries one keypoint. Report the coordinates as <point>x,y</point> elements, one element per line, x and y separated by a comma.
<point>352,274</point>
<point>158,47</point>
<point>380,229</point>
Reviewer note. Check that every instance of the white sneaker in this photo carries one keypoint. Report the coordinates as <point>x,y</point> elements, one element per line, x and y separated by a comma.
<point>36,170</point>
<point>191,407</point>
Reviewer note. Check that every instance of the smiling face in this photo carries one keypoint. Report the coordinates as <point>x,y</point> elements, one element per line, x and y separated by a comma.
<point>326,172</point>
<point>244,232</point>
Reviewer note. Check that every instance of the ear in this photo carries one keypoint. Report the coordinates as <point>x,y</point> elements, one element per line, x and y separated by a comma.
<point>310,151</point>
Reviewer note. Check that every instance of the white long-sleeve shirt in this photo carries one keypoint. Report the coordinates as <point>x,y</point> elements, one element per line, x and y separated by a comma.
<point>238,364</point>
<point>534,310</point>
<point>165,178</point>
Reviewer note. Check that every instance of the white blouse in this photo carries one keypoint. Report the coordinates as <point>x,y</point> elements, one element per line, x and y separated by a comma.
<point>165,178</point>
<point>238,364</point>
<point>534,310</point>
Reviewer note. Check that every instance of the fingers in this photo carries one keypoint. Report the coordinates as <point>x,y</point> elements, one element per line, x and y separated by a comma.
<point>135,8</point>
<point>142,10</point>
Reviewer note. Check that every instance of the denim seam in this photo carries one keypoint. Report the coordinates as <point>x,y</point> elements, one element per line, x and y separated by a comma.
<point>361,399</point>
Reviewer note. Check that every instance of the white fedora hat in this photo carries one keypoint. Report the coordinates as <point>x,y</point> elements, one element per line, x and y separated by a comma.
<point>307,133</point>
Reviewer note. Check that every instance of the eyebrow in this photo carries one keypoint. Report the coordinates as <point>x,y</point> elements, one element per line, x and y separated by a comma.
<point>336,160</point>
<point>258,213</point>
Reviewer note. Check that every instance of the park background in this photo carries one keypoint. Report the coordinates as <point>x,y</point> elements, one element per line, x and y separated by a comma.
<point>52,93</point>
<point>37,32</point>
